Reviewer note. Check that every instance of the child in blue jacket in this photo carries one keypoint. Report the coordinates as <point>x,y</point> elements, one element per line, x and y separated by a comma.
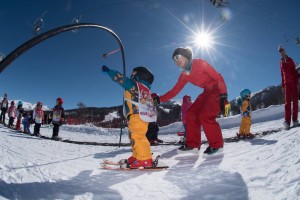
<point>139,112</point>
<point>27,119</point>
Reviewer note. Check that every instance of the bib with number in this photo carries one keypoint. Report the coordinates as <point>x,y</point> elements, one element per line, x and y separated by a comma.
<point>4,103</point>
<point>56,115</point>
<point>12,113</point>
<point>38,116</point>
<point>146,108</point>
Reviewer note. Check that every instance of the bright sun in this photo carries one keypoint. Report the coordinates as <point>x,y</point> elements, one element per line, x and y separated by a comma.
<point>204,40</point>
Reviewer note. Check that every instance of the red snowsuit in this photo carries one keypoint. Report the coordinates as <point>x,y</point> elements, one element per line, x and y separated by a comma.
<point>206,107</point>
<point>184,108</point>
<point>289,79</point>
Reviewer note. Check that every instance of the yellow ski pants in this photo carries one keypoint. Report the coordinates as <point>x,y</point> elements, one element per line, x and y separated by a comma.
<point>137,134</point>
<point>245,125</point>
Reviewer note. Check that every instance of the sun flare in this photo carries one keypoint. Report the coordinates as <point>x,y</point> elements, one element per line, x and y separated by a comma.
<point>204,40</point>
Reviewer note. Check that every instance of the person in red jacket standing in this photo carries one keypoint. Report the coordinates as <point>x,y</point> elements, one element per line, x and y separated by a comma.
<point>186,103</point>
<point>205,109</point>
<point>289,79</point>
<point>20,111</point>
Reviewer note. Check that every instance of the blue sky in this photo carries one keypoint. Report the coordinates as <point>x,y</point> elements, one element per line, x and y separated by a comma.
<point>68,65</point>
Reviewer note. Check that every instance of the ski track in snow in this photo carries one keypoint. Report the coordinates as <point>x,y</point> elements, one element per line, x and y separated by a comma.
<point>263,168</point>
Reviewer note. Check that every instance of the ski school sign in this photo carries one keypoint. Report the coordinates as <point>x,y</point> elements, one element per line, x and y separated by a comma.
<point>44,36</point>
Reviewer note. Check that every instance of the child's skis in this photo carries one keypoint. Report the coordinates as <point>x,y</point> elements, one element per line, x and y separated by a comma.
<point>122,165</point>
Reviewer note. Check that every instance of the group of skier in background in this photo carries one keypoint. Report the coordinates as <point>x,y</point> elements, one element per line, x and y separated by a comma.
<point>36,117</point>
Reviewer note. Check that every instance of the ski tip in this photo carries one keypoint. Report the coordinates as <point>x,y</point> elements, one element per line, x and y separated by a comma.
<point>180,133</point>
<point>104,166</point>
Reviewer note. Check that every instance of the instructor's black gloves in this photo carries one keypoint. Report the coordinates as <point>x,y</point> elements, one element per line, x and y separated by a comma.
<point>223,102</point>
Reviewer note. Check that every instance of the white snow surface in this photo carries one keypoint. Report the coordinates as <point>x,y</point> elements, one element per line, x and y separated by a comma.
<point>263,168</point>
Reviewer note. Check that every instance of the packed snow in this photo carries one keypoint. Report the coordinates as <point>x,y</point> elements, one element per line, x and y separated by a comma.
<point>262,168</point>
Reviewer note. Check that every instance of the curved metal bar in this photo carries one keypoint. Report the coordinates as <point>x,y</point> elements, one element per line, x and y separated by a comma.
<point>44,36</point>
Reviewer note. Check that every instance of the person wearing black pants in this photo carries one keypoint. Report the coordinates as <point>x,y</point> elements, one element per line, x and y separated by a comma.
<point>38,118</point>
<point>4,107</point>
<point>151,134</point>
<point>55,130</point>
<point>58,117</point>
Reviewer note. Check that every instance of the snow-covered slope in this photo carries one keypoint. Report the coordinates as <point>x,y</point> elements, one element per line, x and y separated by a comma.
<point>262,168</point>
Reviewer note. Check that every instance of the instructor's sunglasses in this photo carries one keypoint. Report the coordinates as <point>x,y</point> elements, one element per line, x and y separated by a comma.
<point>177,57</point>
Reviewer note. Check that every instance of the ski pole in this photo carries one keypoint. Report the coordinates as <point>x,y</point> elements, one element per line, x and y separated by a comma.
<point>105,55</point>
<point>121,132</point>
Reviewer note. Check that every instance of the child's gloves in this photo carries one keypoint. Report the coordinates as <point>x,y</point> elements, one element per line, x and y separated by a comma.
<point>156,99</point>
<point>105,68</point>
<point>246,114</point>
<point>223,102</point>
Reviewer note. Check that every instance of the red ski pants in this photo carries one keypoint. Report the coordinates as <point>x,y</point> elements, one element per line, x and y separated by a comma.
<point>203,113</point>
<point>18,124</point>
<point>291,95</point>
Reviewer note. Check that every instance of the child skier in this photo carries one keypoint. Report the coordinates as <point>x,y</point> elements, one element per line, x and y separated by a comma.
<point>58,117</point>
<point>38,118</point>
<point>151,134</point>
<point>246,115</point>
<point>153,127</point>
<point>4,107</point>
<point>186,103</point>
<point>26,122</point>
<point>20,111</point>
<point>139,111</point>
<point>12,113</point>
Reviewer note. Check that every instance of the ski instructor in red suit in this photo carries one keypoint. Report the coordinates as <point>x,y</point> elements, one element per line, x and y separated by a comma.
<point>205,109</point>
<point>289,78</point>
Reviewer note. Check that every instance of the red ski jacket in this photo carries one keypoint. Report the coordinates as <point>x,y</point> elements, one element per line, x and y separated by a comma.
<point>202,74</point>
<point>288,72</point>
